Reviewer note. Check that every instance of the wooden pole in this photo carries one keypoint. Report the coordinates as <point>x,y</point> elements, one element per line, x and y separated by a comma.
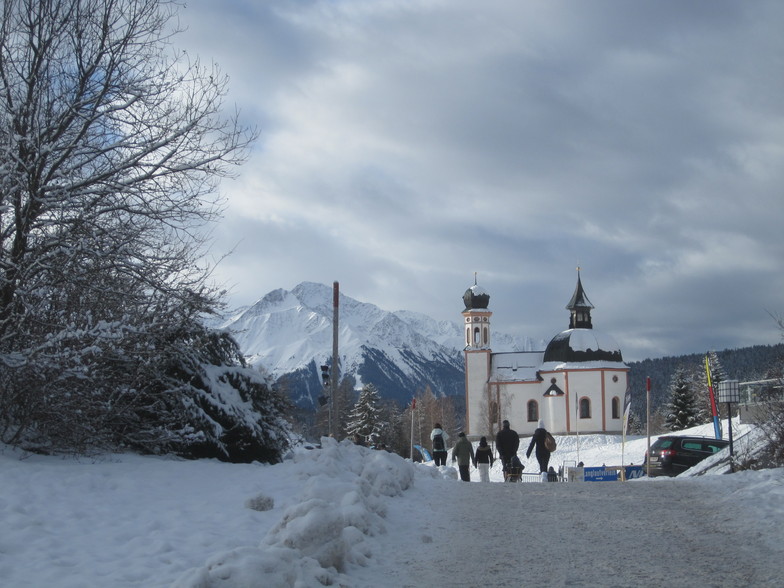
<point>335,362</point>
<point>648,423</point>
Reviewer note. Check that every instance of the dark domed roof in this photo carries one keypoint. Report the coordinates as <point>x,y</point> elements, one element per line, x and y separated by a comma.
<point>582,345</point>
<point>475,298</point>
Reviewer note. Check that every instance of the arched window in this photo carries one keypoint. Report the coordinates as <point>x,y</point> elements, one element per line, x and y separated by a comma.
<point>533,411</point>
<point>485,337</point>
<point>585,408</point>
<point>616,407</point>
<point>477,340</point>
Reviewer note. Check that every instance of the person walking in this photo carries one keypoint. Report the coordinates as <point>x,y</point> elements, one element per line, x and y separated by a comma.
<point>438,437</point>
<point>463,453</point>
<point>506,443</point>
<point>484,460</point>
<point>537,441</point>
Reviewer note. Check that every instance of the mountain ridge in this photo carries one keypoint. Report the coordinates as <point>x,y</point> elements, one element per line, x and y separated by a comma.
<point>289,333</point>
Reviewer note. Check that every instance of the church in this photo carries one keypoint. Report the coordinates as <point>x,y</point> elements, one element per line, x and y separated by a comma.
<point>576,385</point>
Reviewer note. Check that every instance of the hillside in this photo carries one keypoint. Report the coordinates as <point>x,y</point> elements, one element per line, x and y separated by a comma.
<point>743,364</point>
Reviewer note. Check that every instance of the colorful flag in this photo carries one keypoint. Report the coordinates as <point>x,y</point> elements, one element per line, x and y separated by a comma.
<point>714,409</point>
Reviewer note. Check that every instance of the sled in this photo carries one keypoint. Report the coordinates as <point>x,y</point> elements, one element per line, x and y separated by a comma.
<point>514,471</point>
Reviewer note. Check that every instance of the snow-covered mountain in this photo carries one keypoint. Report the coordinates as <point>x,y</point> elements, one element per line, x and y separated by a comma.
<point>289,333</point>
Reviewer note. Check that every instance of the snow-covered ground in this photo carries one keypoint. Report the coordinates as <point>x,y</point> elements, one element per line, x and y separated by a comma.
<point>350,516</point>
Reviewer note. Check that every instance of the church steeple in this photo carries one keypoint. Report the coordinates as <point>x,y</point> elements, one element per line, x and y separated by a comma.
<point>579,307</point>
<point>477,317</point>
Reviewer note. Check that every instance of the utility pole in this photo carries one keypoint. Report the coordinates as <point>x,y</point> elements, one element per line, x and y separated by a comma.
<point>335,367</point>
<point>648,424</point>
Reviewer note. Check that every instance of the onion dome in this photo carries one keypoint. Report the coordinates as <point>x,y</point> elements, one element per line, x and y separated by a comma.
<point>582,345</point>
<point>476,298</point>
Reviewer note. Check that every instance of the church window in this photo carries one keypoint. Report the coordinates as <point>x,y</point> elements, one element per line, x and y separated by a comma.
<point>477,340</point>
<point>484,335</point>
<point>585,408</point>
<point>616,407</point>
<point>533,411</point>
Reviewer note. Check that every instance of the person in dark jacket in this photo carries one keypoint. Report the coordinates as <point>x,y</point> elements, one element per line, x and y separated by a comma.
<point>484,459</point>
<point>439,438</point>
<point>463,454</point>
<point>506,443</point>
<point>537,441</point>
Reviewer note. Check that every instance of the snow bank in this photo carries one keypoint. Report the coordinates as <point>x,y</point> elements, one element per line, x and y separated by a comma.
<point>341,504</point>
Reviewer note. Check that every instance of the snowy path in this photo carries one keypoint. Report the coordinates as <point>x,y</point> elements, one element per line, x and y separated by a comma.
<point>583,534</point>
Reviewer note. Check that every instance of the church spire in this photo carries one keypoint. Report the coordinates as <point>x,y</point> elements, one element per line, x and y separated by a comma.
<point>579,307</point>
<point>477,317</point>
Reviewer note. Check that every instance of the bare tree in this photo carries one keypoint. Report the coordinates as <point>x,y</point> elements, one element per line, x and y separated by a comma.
<point>111,144</point>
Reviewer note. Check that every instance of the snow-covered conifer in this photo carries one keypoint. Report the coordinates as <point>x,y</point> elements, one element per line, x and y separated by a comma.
<point>682,411</point>
<point>365,418</point>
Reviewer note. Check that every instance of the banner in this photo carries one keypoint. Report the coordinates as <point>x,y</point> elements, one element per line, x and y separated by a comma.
<point>713,405</point>
<point>627,405</point>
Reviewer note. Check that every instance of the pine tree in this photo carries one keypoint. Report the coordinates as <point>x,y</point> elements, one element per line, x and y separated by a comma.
<point>365,418</point>
<point>717,370</point>
<point>682,411</point>
<point>345,399</point>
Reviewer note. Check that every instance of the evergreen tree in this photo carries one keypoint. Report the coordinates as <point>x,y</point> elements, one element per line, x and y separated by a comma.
<point>365,418</point>
<point>345,399</point>
<point>682,412</point>
<point>717,370</point>
<point>699,387</point>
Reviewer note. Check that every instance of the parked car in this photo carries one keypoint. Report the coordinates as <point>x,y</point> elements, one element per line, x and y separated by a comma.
<point>672,454</point>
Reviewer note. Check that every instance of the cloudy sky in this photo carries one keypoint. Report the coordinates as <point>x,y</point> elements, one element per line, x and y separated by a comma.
<point>406,144</point>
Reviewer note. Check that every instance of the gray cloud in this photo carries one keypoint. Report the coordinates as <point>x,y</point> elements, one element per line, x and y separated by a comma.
<point>406,145</point>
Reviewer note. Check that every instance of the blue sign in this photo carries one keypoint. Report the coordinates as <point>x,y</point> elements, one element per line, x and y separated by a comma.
<point>600,474</point>
<point>611,473</point>
<point>633,472</point>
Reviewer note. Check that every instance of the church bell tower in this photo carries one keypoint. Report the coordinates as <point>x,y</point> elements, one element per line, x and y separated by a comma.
<point>476,317</point>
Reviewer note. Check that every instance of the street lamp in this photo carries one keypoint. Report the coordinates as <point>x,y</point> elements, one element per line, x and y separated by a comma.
<point>729,392</point>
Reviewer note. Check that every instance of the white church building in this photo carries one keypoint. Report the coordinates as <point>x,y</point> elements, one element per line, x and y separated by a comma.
<point>576,385</point>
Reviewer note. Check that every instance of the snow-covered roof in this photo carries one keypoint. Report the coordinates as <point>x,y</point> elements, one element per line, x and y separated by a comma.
<point>476,298</point>
<point>518,366</point>
<point>582,346</point>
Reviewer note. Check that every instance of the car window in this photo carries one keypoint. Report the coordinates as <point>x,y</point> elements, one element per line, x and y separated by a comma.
<point>693,445</point>
<point>712,448</point>
<point>662,444</point>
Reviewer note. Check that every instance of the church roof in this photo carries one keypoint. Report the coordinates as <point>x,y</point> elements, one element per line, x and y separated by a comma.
<point>476,298</point>
<point>579,299</point>
<point>516,366</point>
<point>580,346</point>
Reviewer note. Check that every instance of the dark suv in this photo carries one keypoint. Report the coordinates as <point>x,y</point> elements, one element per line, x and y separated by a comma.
<point>672,454</point>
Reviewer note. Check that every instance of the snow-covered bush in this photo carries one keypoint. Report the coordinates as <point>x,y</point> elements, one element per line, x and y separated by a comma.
<point>111,148</point>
